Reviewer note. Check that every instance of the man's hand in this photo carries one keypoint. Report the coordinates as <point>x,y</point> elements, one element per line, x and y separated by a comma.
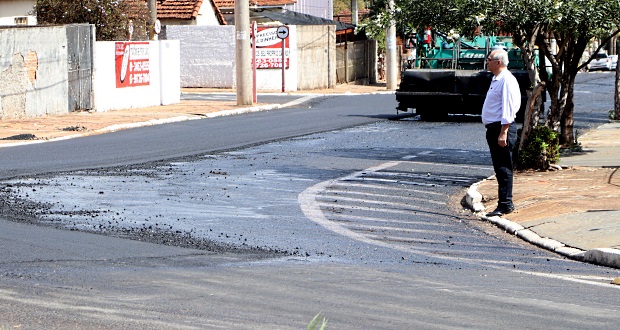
<point>502,140</point>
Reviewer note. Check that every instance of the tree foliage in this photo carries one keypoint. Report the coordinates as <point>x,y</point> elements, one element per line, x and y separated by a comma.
<point>344,5</point>
<point>110,17</point>
<point>373,28</point>
<point>561,31</point>
<point>558,30</point>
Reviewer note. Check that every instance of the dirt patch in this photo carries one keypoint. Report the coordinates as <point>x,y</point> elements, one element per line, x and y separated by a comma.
<point>540,195</point>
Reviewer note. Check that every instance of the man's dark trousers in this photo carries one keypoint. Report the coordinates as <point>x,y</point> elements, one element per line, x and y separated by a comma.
<point>502,162</point>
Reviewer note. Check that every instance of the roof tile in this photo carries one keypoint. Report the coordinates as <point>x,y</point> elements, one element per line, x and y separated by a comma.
<point>259,3</point>
<point>188,9</point>
<point>345,16</point>
<point>181,9</point>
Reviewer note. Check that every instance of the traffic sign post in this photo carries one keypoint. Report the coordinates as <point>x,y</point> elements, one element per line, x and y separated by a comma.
<point>282,33</point>
<point>254,31</point>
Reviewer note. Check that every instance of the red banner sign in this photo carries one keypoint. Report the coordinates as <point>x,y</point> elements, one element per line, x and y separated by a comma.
<point>269,49</point>
<point>132,64</point>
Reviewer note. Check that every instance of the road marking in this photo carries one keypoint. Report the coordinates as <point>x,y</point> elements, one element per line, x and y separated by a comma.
<point>410,211</point>
<point>339,194</point>
<point>350,218</point>
<point>313,198</point>
<point>379,187</point>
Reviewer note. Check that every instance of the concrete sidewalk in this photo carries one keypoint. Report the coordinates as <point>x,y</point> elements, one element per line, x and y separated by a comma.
<point>574,211</point>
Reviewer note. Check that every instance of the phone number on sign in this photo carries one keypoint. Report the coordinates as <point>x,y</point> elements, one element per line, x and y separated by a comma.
<point>270,63</point>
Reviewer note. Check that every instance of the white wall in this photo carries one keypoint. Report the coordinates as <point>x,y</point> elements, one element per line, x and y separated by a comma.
<point>9,9</point>
<point>206,15</point>
<point>208,58</point>
<point>10,20</point>
<point>319,8</point>
<point>170,67</point>
<point>207,55</point>
<point>316,46</point>
<point>33,72</point>
<point>108,97</point>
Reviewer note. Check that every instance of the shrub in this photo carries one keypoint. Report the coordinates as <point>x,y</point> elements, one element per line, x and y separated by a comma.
<point>541,149</point>
<point>110,17</point>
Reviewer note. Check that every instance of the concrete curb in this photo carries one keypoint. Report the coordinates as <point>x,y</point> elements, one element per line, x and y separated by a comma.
<point>119,127</point>
<point>604,256</point>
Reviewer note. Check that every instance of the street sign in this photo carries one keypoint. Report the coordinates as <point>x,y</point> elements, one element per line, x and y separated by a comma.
<point>282,31</point>
<point>157,26</point>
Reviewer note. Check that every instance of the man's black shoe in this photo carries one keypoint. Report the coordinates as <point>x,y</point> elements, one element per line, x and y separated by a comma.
<point>498,212</point>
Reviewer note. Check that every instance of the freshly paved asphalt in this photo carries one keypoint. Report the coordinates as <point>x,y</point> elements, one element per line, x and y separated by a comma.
<point>590,234</point>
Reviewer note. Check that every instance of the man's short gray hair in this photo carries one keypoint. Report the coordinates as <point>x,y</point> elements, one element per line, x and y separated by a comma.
<point>501,55</point>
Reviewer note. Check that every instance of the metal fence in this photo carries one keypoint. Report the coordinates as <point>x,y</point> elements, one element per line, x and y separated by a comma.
<point>80,39</point>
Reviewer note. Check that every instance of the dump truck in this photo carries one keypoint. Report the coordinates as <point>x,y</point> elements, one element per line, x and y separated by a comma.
<point>448,75</point>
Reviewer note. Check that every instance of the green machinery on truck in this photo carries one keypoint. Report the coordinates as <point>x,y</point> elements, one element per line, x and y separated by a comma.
<point>448,75</point>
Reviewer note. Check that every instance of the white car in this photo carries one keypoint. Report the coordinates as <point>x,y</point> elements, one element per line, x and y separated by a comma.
<point>614,61</point>
<point>601,61</point>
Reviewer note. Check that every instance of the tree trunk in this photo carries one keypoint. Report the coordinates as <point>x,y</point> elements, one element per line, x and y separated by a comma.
<point>532,112</point>
<point>573,58</point>
<point>617,94</point>
<point>553,83</point>
<point>561,87</point>
<point>534,100</point>
<point>555,111</point>
<point>567,136</point>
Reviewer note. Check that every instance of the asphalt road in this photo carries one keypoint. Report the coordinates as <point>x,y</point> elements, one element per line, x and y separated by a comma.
<point>342,212</point>
<point>193,137</point>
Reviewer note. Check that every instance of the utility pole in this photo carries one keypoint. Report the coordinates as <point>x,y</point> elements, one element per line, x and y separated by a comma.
<point>153,12</point>
<point>354,12</point>
<point>243,53</point>
<point>391,61</point>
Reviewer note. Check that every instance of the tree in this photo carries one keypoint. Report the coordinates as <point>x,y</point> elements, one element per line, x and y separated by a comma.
<point>576,23</point>
<point>111,17</point>
<point>373,28</point>
<point>617,94</point>
<point>345,5</point>
<point>559,30</point>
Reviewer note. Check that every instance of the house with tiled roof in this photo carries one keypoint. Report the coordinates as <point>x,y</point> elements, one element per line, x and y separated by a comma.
<point>169,12</point>
<point>221,12</point>
<point>227,7</point>
<point>184,12</point>
<point>213,12</point>
<point>189,12</point>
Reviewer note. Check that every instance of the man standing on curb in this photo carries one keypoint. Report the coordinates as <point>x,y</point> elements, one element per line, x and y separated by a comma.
<point>498,115</point>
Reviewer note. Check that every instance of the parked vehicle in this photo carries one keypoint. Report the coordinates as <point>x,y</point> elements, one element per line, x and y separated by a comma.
<point>601,61</point>
<point>450,76</point>
<point>614,61</point>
